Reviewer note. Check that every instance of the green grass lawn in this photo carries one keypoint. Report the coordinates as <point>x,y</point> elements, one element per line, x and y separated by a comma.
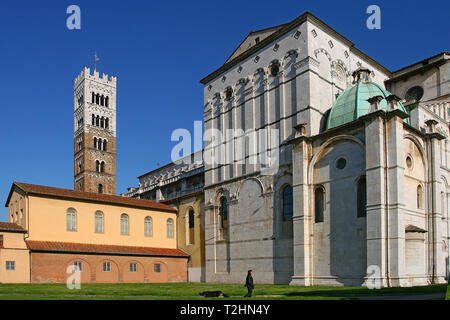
<point>181,291</point>
<point>448,292</point>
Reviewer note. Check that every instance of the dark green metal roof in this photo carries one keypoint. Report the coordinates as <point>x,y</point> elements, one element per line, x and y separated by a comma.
<point>352,103</point>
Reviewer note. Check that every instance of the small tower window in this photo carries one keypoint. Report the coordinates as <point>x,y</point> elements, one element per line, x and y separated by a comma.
<point>97,166</point>
<point>107,123</point>
<point>97,121</point>
<point>107,101</point>
<point>100,188</point>
<point>93,97</point>
<point>93,119</point>
<point>102,166</point>
<point>102,100</point>
<point>95,142</point>
<point>104,145</point>
<point>97,99</point>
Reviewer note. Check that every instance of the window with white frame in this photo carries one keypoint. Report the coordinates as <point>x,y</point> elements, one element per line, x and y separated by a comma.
<point>169,228</point>
<point>99,222</point>
<point>124,224</point>
<point>133,267</point>
<point>71,219</point>
<point>148,227</point>
<point>106,266</point>
<point>10,265</point>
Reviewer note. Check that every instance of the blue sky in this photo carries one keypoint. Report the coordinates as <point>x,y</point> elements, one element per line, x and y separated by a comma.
<point>159,51</point>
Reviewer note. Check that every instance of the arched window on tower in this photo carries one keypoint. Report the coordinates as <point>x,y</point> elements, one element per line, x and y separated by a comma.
<point>93,119</point>
<point>124,224</point>
<point>223,218</point>
<point>102,100</point>
<point>288,203</point>
<point>107,102</point>
<point>319,205</point>
<point>107,123</point>
<point>419,197</point>
<point>100,188</point>
<point>104,145</point>
<point>93,97</point>
<point>148,227</point>
<point>102,166</point>
<point>97,121</point>
<point>99,144</point>
<point>97,166</point>
<point>95,142</point>
<point>97,99</point>
<point>361,198</point>
<point>102,122</point>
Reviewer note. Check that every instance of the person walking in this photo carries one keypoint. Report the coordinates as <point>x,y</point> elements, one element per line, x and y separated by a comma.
<point>249,283</point>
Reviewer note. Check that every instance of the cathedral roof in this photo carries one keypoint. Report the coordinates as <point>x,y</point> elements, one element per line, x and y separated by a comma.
<point>269,35</point>
<point>352,102</point>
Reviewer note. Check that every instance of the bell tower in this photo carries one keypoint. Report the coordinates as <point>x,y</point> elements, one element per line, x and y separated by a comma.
<point>95,132</point>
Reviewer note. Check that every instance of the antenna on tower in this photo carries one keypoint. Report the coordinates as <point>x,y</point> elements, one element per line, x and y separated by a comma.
<point>96,59</point>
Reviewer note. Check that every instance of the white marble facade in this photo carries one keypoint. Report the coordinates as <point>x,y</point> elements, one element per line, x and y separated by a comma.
<point>409,244</point>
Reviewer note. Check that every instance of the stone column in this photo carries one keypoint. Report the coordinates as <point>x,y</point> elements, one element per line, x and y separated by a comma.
<point>396,200</point>
<point>436,267</point>
<point>302,217</point>
<point>376,214</point>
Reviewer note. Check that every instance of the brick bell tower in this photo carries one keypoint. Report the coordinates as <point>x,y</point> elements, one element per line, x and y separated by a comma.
<point>95,132</point>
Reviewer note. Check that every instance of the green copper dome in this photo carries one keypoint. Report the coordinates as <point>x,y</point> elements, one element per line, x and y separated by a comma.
<point>352,103</point>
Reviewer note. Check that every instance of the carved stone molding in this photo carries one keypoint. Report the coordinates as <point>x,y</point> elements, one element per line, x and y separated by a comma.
<point>307,62</point>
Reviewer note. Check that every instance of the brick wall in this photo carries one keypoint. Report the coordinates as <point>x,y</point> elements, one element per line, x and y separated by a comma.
<point>51,268</point>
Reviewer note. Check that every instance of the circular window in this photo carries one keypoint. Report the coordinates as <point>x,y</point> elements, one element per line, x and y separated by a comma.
<point>414,93</point>
<point>408,162</point>
<point>274,69</point>
<point>341,163</point>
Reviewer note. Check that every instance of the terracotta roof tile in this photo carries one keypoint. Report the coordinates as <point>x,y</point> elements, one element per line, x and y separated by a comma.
<point>102,249</point>
<point>105,198</point>
<point>7,226</point>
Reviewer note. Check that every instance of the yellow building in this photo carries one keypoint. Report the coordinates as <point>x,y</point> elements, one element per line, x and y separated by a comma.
<point>110,238</point>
